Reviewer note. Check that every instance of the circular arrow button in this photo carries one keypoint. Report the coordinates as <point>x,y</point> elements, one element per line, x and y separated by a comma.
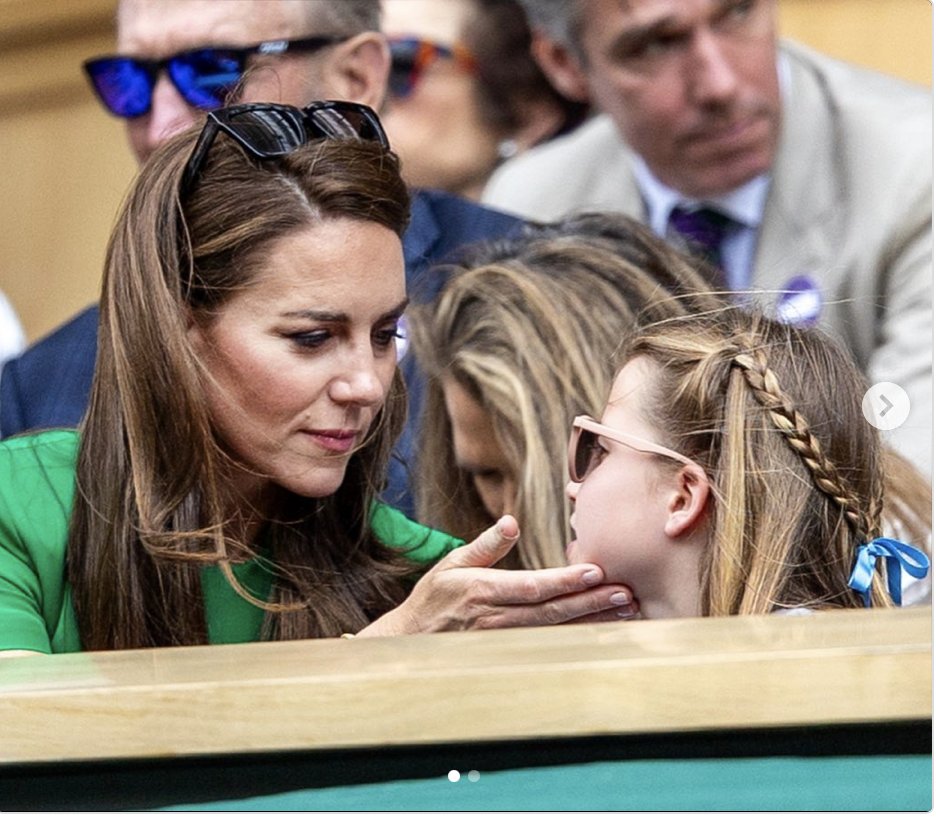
<point>886,405</point>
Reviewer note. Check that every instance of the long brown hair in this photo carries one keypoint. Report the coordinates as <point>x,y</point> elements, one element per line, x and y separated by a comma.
<point>531,328</point>
<point>773,414</point>
<point>149,511</point>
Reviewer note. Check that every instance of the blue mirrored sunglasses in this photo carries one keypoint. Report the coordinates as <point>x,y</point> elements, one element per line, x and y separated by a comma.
<point>270,130</point>
<point>204,77</point>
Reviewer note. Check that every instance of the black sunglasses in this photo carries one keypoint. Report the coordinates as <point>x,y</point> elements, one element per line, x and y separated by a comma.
<point>204,77</point>
<point>270,130</point>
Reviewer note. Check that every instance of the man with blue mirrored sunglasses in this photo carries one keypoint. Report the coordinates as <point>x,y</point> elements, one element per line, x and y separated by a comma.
<point>175,60</point>
<point>205,77</point>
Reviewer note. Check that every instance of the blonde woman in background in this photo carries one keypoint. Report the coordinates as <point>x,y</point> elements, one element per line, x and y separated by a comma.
<point>522,336</point>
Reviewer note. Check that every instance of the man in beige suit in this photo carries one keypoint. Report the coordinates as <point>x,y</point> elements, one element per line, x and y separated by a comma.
<point>821,172</point>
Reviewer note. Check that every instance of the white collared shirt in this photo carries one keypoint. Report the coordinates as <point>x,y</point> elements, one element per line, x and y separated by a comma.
<point>12,338</point>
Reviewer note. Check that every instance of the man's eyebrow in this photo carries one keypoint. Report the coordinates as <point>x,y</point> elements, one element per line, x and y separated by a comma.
<point>640,33</point>
<point>668,25</point>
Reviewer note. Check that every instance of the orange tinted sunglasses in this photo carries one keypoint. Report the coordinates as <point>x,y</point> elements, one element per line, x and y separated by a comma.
<point>411,56</point>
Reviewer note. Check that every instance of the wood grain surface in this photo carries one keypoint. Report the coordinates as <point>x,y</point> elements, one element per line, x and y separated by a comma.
<point>634,677</point>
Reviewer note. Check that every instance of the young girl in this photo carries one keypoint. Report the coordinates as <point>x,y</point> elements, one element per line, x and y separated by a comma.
<point>734,473</point>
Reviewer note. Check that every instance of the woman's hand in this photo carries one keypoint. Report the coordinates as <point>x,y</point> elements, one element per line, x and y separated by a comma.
<point>462,592</point>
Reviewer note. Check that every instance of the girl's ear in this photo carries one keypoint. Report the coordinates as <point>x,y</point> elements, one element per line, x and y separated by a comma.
<point>688,502</point>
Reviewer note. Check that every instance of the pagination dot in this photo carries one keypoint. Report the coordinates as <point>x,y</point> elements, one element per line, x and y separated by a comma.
<point>454,776</point>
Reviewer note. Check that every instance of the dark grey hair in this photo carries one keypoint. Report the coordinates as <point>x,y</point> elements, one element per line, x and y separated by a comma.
<point>560,19</point>
<point>345,17</point>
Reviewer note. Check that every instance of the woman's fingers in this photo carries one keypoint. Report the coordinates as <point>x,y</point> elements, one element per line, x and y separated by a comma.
<point>495,586</point>
<point>616,614</point>
<point>514,587</point>
<point>490,547</point>
<point>604,603</point>
<point>463,592</point>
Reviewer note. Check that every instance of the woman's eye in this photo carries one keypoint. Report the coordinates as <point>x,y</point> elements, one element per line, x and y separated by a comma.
<point>385,337</point>
<point>310,339</point>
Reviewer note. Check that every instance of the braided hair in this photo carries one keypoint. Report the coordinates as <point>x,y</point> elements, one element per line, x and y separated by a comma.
<point>792,424</point>
<point>772,412</point>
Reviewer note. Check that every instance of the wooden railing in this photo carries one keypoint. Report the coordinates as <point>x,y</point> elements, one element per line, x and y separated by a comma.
<point>636,677</point>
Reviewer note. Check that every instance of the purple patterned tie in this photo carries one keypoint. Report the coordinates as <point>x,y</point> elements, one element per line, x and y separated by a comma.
<point>703,229</point>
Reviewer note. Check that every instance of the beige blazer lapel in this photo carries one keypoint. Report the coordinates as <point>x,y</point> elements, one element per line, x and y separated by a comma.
<point>803,217</point>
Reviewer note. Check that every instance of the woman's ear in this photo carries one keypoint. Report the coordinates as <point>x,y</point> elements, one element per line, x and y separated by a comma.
<point>359,70</point>
<point>688,502</point>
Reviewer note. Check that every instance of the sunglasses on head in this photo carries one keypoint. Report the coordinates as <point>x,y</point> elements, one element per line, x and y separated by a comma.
<point>270,130</point>
<point>204,77</point>
<point>584,448</point>
<point>410,57</point>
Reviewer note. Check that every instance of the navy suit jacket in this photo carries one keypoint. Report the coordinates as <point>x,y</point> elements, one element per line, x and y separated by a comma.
<point>49,384</point>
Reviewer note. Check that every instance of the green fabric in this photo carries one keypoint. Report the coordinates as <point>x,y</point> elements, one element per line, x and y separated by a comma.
<point>37,486</point>
<point>846,783</point>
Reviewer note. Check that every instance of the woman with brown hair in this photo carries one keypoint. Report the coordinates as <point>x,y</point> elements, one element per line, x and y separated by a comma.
<point>223,484</point>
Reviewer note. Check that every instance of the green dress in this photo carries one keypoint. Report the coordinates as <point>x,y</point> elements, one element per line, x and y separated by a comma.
<point>37,485</point>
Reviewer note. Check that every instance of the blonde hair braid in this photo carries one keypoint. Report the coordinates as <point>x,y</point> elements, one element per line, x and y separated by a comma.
<point>793,425</point>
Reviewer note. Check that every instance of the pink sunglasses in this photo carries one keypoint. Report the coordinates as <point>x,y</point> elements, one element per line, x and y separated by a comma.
<point>584,448</point>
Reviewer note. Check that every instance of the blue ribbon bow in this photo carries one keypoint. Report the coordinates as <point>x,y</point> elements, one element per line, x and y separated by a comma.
<point>897,555</point>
